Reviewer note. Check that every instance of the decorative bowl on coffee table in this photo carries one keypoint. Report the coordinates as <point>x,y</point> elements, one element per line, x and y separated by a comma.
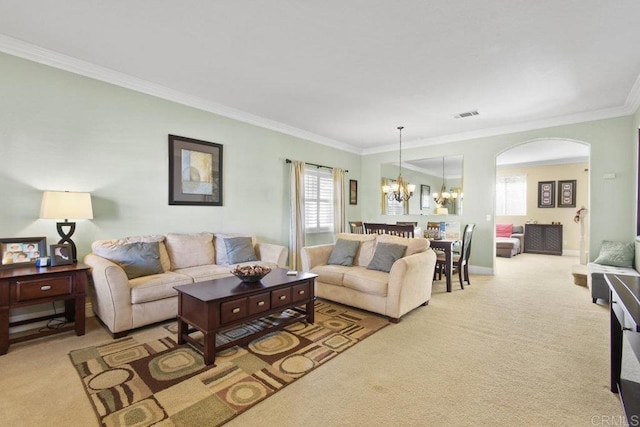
<point>251,274</point>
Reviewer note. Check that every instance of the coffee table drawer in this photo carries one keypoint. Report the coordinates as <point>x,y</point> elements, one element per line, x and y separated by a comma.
<point>233,310</point>
<point>300,292</point>
<point>280,297</point>
<point>259,303</point>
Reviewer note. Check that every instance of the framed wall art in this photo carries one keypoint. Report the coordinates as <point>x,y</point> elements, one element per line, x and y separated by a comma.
<point>195,172</point>
<point>567,194</point>
<point>546,194</point>
<point>22,251</point>
<point>425,196</point>
<point>61,254</point>
<point>353,192</point>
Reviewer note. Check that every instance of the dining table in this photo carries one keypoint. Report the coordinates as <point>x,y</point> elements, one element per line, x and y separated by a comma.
<point>446,246</point>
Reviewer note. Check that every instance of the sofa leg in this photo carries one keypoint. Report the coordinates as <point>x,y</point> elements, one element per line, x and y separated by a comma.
<point>595,300</point>
<point>394,319</point>
<point>424,303</point>
<point>117,335</point>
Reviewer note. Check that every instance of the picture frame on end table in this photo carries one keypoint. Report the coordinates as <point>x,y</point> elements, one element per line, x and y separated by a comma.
<point>353,192</point>
<point>567,193</point>
<point>546,194</point>
<point>195,172</point>
<point>61,254</point>
<point>22,251</point>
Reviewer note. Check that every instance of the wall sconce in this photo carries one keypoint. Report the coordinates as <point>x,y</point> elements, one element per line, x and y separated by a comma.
<point>65,205</point>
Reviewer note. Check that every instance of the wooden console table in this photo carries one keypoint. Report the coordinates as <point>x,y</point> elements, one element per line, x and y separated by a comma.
<point>218,304</point>
<point>27,286</point>
<point>543,239</point>
<point>625,322</point>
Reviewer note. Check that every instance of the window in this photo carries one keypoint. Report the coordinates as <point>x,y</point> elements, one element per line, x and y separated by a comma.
<point>318,200</point>
<point>393,207</point>
<point>511,195</point>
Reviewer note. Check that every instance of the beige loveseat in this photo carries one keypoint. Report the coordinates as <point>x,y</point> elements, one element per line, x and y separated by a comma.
<point>124,303</point>
<point>406,286</point>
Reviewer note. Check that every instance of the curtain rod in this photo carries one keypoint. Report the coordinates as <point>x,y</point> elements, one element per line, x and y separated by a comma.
<point>316,165</point>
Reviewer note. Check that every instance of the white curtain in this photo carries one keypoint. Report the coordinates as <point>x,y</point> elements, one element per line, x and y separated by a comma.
<point>339,223</point>
<point>297,227</point>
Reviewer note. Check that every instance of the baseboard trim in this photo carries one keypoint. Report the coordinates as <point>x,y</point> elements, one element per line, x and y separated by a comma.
<point>483,271</point>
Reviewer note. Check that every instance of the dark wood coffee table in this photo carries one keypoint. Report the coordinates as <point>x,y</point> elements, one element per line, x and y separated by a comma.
<point>215,305</point>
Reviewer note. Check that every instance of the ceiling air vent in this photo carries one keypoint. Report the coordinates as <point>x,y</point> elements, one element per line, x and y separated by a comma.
<point>467,114</point>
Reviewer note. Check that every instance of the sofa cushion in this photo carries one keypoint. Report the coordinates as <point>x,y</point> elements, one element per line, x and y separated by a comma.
<point>331,274</point>
<point>414,246</point>
<point>365,250</point>
<point>200,273</point>
<point>99,246</point>
<point>239,249</point>
<point>343,252</point>
<point>221,248</point>
<point>385,255</point>
<point>504,230</point>
<point>189,250</point>
<point>361,279</point>
<point>617,254</point>
<point>156,286</point>
<point>136,259</point>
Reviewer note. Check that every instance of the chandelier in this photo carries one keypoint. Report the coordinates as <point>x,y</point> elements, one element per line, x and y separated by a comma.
<point>400,191</point>
<point>444,196</point>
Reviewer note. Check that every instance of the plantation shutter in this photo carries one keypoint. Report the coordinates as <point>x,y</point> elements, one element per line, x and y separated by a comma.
<point>318,200</point>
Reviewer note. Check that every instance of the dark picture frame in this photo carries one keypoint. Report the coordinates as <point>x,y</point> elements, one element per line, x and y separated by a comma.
<point>195,172</point>
<point>353,192</point>
<point>567,193</point>
<point>61,254</point>
<point>546,194</point>
<point>425,196</point>
<point>22,251</point>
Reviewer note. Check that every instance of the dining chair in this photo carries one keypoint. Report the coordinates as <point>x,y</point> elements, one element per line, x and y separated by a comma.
<point>461,260</point>
<point>414,223</point>
<point>356,227</point>
<point>375,228</point>
<point>400,230</point>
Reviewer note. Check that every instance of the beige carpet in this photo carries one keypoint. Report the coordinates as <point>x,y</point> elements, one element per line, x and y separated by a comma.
<point>526,347</point>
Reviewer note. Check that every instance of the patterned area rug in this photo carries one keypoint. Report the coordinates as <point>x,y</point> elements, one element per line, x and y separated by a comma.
<point>162,383</point>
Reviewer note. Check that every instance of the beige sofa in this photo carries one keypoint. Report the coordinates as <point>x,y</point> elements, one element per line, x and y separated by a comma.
<point>406,286</point>
<point>124,303</point>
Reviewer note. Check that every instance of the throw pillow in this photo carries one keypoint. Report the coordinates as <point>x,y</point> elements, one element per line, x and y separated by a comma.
<point>504,230</point>
<point>343,252</point>
<point>617,254</point>
<point>136,259</point>
<point>240,249</point>
<point>190,250</point>
<point>385,255</point>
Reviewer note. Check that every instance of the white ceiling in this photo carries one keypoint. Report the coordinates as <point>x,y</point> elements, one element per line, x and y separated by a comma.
<point>346,73</point>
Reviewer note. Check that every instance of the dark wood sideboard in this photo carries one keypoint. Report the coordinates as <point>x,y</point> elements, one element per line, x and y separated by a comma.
<point>625,324</point>
<point>543,239</point>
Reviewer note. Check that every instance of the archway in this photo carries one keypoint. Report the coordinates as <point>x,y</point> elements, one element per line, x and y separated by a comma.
<point>554,174</point>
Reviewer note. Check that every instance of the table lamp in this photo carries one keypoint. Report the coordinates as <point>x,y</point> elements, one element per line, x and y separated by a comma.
<point>66,205</point>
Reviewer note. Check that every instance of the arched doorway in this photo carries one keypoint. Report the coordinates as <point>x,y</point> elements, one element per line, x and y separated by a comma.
<point>553,173</point>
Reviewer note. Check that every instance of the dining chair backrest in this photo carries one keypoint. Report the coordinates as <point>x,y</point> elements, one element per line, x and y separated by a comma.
<point>356,227</point>
<point>465,250</point>
<point>432,225</point>
<point>400,230</point>
<point>375,228</point>
<point>414,223</point>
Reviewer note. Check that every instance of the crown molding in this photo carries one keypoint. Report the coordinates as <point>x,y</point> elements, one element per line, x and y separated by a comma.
<point>48,57</point>
<point>633,100</point>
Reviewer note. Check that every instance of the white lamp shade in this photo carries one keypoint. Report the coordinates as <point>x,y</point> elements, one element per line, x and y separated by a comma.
<point>66,205</point>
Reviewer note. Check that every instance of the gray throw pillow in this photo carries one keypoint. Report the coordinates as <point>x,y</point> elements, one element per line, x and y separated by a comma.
<point>343,252</point>
<point>617,254</point>
<point>240,249</point>
<point>137,259</point>
<point>385,255</point>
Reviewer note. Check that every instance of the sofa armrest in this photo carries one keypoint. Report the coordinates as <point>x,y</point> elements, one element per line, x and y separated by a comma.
<point>313,256</point>
<point>410,280</point>
<point>519,236</point>
<point>272,253</point>
<point>110,294</point>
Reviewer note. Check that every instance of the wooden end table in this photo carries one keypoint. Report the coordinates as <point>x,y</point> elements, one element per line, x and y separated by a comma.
<point>215,305</point>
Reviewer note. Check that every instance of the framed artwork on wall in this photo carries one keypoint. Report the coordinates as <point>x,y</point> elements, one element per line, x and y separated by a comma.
<point>353,192</point>
<point>195,172</point>
<point>546,194</point>
<point>425,196</point>
<point>567,194</point>
<point>22,251</point>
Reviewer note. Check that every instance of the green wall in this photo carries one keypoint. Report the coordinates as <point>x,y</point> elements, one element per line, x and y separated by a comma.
<point>62,131</point>
<point>612,200</point>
